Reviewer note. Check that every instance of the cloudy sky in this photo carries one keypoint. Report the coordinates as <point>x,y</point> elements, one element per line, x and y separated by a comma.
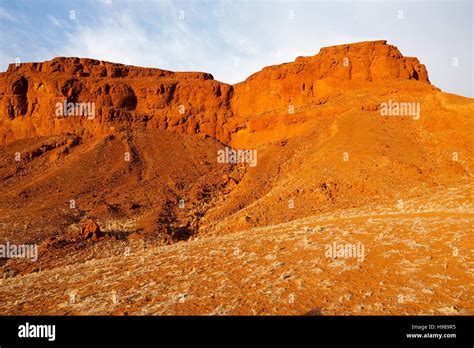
<point>233,39</point>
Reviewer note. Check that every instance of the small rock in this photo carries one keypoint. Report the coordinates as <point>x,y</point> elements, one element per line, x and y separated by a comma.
<point>91,230</point>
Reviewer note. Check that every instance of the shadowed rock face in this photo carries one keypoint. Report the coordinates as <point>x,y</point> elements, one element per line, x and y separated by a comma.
<point>186,103</point>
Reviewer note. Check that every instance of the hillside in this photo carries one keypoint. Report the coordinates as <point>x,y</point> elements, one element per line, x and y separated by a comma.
<point>353,145</point>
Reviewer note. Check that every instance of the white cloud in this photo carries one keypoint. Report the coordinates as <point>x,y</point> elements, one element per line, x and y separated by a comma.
<point>121,35</point>
<point>55,21</point>
<point>4,14</point>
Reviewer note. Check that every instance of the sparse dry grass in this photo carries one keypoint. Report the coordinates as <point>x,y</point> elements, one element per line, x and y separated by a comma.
<point>409,268</point>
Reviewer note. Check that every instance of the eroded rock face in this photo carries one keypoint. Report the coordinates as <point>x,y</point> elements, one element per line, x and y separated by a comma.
<point>186,103</point>
<point>15,100</point>
<point>365,61</point>
<point>313,79</point>
<point>122,95</point>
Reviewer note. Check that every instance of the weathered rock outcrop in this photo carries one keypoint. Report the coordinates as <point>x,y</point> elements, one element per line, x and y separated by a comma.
<point>187,103</point>
<point>313,79</point>
<point>120,95</point>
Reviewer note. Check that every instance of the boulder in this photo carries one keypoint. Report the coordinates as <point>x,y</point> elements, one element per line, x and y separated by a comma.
<point>91,230</point>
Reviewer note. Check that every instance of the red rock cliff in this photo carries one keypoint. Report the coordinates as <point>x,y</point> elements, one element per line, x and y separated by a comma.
<point>192,102</point>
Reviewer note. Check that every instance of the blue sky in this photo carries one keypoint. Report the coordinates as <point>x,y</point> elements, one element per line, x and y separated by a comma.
<point>233,39</point>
